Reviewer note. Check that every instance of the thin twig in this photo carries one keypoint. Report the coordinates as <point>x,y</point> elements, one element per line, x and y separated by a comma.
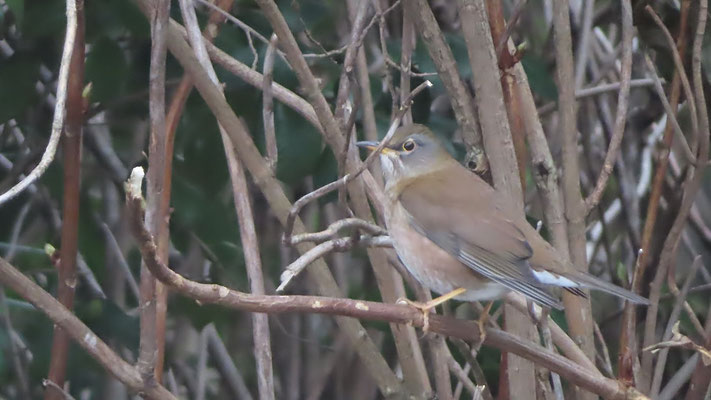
<point>125,268</point>
<point>478,373</point>
<point>221,357</point>
<point>598,90</point>
<point>441,55</point>
<point>676,57</point>
<point>671,114</point>
<point>320,250</point>
<point>622,103</point>
<point>332,231</point>
<point>201,367</point>
<point>510,25</point>
<point>548,342</point>
<point>268,103</point>
<point>18,367</point>
<point>606,361</point>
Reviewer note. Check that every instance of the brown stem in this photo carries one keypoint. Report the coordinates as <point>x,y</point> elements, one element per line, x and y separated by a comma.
<point>268,103</point>
<point>519,374</point>
<point>71,141</point>
<point>577,309</point>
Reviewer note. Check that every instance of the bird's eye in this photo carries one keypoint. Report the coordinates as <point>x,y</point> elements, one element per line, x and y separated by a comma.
<point>409,145</point>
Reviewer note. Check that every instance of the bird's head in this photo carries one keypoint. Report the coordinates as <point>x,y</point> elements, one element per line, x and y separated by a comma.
<point>413,151</point>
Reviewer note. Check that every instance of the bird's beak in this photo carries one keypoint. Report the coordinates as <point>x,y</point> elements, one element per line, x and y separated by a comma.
<point>374,145</point>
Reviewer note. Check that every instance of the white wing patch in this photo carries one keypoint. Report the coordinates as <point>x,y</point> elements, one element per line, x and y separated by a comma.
<point>551,279</point>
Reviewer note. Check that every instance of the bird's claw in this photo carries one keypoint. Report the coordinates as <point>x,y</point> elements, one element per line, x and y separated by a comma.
<point>425,308</point>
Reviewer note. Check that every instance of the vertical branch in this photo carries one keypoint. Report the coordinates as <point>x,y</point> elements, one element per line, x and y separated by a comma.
<point>518,374</point>
<point>71,141</point>
<point>408,44</point>
<point>250,244</point>
<point>153,300</point>
<point>508,84</point>
<point>577,309</point>
<point>268,103</point>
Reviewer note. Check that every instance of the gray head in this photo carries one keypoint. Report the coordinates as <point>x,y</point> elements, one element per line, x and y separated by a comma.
<point>413,151</point>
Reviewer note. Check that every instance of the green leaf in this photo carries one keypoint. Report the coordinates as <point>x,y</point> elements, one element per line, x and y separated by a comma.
<point>18,75</point>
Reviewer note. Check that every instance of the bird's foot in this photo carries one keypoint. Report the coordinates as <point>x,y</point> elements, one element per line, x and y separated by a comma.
<point>427,307</point>
<point>482,321</point>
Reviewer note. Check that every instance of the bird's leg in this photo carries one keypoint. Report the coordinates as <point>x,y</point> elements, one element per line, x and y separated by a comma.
<point>428,306</point>
<point>483,320</point>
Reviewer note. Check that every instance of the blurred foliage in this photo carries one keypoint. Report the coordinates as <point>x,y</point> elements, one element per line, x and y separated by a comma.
<point>204,230</point>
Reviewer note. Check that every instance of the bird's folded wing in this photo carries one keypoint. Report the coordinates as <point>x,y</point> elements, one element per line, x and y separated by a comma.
<point>477,234</point>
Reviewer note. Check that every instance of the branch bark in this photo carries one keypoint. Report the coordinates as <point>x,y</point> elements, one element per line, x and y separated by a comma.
<point>153,301</point>
<point>519,374</point>
<point>577,309</point>
<point>71,142</point>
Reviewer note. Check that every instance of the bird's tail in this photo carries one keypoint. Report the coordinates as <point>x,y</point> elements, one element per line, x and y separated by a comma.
<point>591,282</point>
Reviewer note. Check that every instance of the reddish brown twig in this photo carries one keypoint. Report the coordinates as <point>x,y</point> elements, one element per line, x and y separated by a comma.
<point>71,142</point>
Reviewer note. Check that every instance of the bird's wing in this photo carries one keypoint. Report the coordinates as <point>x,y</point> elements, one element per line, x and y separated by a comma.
<point>470,226</point>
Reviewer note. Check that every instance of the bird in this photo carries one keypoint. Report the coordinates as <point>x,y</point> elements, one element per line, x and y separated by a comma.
<point>456,236</point>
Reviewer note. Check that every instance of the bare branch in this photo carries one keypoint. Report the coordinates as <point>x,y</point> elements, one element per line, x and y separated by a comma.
<point>671,114</point>
<point>153,302</point>
<point>71,145</point>
<point>676,57</point>
<point>268,103</point>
